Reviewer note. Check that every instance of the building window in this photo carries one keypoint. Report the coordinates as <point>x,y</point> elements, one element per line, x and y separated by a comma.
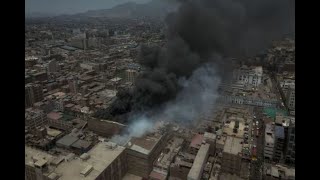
<point>291,138</point>
<point>292,131</point>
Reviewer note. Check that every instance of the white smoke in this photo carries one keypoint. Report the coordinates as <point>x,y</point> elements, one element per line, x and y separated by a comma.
<point>137,128</point>
<point>197,97</point>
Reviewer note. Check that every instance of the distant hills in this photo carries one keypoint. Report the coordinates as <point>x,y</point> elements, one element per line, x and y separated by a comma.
<point>39,15</point>
<point>155,8</point>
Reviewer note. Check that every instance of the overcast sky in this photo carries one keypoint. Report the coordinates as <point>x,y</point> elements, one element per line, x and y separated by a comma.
<point>71,6</point>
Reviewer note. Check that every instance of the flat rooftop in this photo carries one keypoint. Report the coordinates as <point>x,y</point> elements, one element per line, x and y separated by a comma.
<point>183,159</point>
<point>130,176</point>
<point>107,93</point>
<point>233,145</point>
<point>101,156</point>
<point>282,120</point>
<point>269,138</point>
<point>279,132</point>
<point>199,162</point>
<point>67,140</point>
<point>165,158</point>
<point>269,128</point>
<point>209,136</point>
<point>276,170</point>
<point>53,132</point>
<point>144,144</point>
<point>54,115</point>
<point>228,129</point>
<point>196,141</point>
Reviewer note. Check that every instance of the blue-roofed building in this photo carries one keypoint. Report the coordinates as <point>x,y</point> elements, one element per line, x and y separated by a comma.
<point>279,132</point>
<point>278,143</point>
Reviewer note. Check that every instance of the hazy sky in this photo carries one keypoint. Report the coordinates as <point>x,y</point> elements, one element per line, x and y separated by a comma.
<point>71,6</point>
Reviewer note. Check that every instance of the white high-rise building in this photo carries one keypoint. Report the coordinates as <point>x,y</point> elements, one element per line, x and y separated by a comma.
<point>269,142</point>
<point>249,76</point>
<point>291,98</point>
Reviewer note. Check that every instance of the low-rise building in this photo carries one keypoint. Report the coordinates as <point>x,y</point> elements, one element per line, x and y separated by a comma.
<point>34,118</point>
<point>210,138</point>
<point>198,165</point>
<point>231,156</point>
<point>195,144</point>
<point>277,172</point>
<point>104,161</point>
<point>105,128</point>
<point>181,166</point>
<point>161,166</point>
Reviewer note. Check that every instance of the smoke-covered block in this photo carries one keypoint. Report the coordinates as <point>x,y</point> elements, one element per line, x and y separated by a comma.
<point>105,128</point>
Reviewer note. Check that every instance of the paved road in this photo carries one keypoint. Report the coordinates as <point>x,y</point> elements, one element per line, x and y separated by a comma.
<point>256,166</point>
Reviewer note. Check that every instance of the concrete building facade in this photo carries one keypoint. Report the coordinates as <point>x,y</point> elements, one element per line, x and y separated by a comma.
<point>35,118</point>
<point>182,165</point>
<point>105,161</point>
<point>199,163</point>
<point>161,166</point>
<point>278,143</point>
<point>210,138</point>
<point>291,98</point>
<point>105,128</point>
<point>268,142</point>
<point>290,150</point>
<point>249,76</point>
<point>277,172</point>
<point>143,151</point>
<point>33,94</point>
<point>131,75</point>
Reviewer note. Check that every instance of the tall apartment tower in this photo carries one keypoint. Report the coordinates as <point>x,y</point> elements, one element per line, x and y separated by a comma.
<point>33,94</point>
<point>278,143</point>
<point>291,98</point>
<point>269,142</point>
<point>290,151</point>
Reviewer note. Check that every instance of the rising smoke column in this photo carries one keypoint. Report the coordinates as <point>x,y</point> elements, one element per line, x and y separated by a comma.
<point>198,95</point>
<point>196,33</point>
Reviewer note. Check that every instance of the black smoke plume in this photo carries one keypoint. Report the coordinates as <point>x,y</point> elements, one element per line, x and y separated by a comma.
<point>197,33</point>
